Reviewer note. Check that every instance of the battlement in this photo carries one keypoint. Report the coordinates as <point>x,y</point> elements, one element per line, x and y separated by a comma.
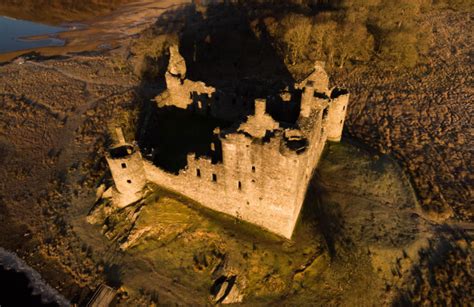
<point>265,165</point>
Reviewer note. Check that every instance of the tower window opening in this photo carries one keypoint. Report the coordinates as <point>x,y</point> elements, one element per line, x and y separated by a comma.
<point>124,165</point>
<point>198,172</point>
<point>214,177</point>
<point>341,121</point>
<point>129,181</point>
<point>343,108</point>
<point>240,185</point>
<point>253,169</point>
<point>325,113</point>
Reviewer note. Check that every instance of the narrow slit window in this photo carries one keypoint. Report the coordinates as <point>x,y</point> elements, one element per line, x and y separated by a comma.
<point>198,172</point>
<point>124,165</point>
<point>341,121</point>
<point>240,185</point>
<point>325,113</point>
<point>343,108</point>
<point>214,177</point>
<point>253,169</point>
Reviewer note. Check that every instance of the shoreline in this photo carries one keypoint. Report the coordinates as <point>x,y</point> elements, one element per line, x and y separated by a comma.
<point>10,261</point>
<point>111,30</point>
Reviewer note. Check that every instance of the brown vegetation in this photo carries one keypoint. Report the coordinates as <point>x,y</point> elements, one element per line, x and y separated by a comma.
<point>422,117</point>
<point>349,31</point>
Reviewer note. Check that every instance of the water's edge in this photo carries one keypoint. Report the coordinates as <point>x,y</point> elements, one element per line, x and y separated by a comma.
<point>10,261</point>
<point>18,35</point>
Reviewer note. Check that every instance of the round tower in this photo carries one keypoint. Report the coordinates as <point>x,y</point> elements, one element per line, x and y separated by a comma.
<point>337,114</point>
<point>126,165</point>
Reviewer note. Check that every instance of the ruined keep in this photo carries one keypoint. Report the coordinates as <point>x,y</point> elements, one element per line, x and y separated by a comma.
<point>264,166</point>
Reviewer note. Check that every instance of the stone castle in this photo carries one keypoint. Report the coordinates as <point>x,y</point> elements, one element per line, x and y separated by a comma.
<point>264,165</point>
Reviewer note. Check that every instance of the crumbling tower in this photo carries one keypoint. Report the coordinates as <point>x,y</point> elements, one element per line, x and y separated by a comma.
<point>258,124</point>
<point>315,88</point>
<point>333,103</point>
<point>336,114</point>
<point>126,166</point>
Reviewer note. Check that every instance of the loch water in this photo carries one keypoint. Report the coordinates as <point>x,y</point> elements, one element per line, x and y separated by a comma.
<point>15,290</point>
<point>15,35</point>
<point>21,285</point>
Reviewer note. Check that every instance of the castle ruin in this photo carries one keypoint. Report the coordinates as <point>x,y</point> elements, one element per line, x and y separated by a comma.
<point>264,166</point>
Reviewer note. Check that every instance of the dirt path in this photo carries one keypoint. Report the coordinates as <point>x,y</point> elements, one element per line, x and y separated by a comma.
<point>74,76</point>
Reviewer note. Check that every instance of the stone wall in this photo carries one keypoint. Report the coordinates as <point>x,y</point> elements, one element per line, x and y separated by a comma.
<point>260,179</point>
<point>255,182</point>
<point>198,97</point>
<point>265,168</point>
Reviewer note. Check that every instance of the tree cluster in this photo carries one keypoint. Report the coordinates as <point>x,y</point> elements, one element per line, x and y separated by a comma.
<point>345,32</point>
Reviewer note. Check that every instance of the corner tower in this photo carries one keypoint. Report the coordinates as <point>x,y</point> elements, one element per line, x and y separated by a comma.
<point>337,113</point>
<point>126,165</point>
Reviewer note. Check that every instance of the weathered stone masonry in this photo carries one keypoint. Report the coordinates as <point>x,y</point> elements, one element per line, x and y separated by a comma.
<point>266,166</point>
